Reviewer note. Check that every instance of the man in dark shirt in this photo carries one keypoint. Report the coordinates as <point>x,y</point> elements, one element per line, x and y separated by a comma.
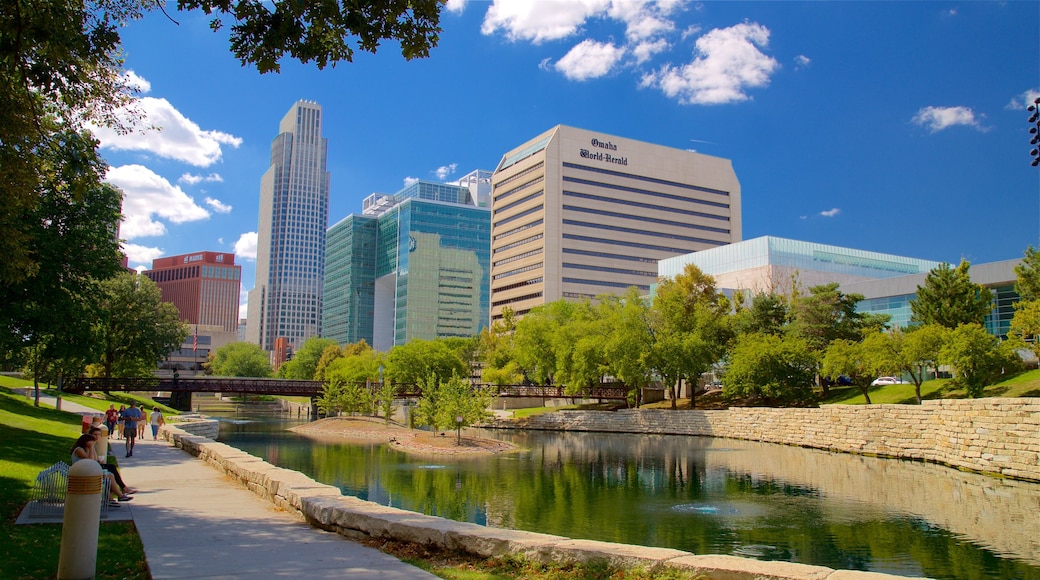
<point>130,419</point>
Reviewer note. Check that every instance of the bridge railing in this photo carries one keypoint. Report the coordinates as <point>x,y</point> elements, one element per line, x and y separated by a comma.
<point>256,386</point>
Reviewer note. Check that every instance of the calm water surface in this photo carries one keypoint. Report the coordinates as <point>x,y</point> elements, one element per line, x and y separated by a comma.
<point>701,495</point>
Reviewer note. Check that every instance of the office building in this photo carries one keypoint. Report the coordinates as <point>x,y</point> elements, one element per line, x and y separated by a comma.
<point>187,360</point>
<point>413,265</point>
<point>887,282</point>
<point>286,300</point>
<point>204,286</point>
<point>577,214</point>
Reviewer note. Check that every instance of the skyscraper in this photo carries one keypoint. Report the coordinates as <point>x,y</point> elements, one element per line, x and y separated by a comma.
<point>414,265</point>
<point>203,286</point>
<point>577,213</point>
<point>286,300</point>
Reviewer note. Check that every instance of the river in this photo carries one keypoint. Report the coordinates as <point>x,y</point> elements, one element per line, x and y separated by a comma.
<point>698,494</point>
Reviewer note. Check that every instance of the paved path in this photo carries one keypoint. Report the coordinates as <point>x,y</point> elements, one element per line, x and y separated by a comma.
<point>195,523</point>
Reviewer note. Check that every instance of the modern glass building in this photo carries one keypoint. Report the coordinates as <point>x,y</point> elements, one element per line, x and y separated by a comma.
<point>887,282</point>
<point>286,300</point>
<point>577,214</point>
<point>414,265</point>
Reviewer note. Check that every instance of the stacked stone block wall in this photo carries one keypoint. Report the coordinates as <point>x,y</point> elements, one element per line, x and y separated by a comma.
<point>994,436</point>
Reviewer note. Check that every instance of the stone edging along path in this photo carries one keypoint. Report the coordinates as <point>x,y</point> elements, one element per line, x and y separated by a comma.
<point>324,506</point>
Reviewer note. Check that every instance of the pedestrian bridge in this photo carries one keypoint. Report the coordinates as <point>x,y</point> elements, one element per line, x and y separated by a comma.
<point>286,387</point>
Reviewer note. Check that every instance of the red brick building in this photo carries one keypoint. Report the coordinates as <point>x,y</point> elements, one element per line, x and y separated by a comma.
<point>204,286</point>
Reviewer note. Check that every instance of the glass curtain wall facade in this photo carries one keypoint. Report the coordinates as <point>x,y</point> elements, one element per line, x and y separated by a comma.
<point>429,268</point>
<point>286,300</point>
<point>577,214</point>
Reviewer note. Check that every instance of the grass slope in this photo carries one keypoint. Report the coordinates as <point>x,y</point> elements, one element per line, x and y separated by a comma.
<point>1025,384</point>
<point>32,439</point>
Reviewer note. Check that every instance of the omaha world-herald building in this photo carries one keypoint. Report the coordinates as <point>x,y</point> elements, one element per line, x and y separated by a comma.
<point>579,213</point>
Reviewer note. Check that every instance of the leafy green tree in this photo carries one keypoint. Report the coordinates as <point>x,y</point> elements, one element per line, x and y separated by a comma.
<point>409,363</point>
<point>578,346</point>
<point>1027,275</point>
<point>241,359</point>
<point>911,352</point>
<point>949,298</point>
<point>627,341</point>
<point>850,359</point>
<point>135,328</point>
<point>977,357</point>
<point>766,314</point>
<point>687,330</point>
<point>1025,326</point>
<point>778,368</point>
<point>384,400</point>
<point>535,341</point>
<point>826,314</point>
<point>304,364</point>
<point>362,367</point>
<point>495,350</point>
<point>444,402</point>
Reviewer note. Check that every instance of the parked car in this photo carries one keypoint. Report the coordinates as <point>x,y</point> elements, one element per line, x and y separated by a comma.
<point>886,381</point>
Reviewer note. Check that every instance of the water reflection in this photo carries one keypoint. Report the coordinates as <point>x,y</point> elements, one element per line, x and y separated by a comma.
<point>698,494</point>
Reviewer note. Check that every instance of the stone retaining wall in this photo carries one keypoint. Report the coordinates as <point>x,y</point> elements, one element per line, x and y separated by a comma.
<point>326,507</point>
<point>196,425</point>
<point>994,436</point>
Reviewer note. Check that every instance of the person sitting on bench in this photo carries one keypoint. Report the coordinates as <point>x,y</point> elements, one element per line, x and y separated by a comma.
<point>96,432</point>
<point>84,449</point>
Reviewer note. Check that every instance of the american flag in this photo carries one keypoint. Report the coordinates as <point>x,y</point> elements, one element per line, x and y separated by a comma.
<point>195,339</point>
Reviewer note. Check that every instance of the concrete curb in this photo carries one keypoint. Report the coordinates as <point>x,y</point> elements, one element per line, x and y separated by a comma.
<point>325,507</point>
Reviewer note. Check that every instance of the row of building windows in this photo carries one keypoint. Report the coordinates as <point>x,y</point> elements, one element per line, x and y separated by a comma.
<point>518,188</point>
<point>516,285</point>
<point>520,201</point>
<point>519,243</point>
<point>641,232</point>
<point>515,217</point>
<point>641,287</point>
<point>515,300</point>
<point>646,192</point>
<point>625,243</point>
<point>517,271</point>
<point>173,274</point>
<point>610,256</point>
<point>517,257</point>
<point>647,179</point>
<point>516,176</point>
<point>518,229</point>
<point>644,273</point>
<point>668,209</point>
<point>663,222</point>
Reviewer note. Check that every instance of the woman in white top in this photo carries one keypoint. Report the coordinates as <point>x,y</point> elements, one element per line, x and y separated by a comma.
<point>84,449</point>
<point>155,420</point>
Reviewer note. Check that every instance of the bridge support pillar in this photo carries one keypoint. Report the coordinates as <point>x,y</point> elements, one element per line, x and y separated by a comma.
<point>314,410</point>
<point>180,400</point>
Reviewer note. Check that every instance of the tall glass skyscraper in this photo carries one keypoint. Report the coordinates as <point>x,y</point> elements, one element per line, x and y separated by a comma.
<point>286,300</point>
<point>414,265</point>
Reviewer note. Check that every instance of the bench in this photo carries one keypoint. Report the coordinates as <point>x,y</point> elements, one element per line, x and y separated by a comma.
<point>48,493</point>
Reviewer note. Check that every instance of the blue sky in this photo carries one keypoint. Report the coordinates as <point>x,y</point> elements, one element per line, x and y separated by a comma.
<point>896,127</point>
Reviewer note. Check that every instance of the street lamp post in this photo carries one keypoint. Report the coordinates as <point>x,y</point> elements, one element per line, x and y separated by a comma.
<point>1034,130</point>
<point>458,430</point>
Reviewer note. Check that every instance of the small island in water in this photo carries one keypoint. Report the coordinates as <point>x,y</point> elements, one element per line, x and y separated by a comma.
<point>374,429</point>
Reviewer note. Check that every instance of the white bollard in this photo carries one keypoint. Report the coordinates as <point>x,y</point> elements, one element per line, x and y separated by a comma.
<point>79,530</point>
<point>102,444</point>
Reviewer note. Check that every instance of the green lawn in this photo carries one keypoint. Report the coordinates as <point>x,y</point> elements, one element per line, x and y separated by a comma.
<point>99,401</point>
<point>31,439</point>
<point>1026,384</point>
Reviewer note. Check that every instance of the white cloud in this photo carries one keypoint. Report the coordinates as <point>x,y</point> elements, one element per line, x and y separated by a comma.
<point>691,30</point>
<point>163,130</point>
<point>801,61</point>
<point>410,181</point>
<point>645,19</point>
<point>243,302</point>
<point>142,255</point>
<point>830,212</point>
<point>445,170</point>
<point>455,6</point>
<point>217,205</point>
<point>644,50</point>
<point>589,59</point>
<point>539,21</point>
<point>196,179</point>
<point>148,194</point>
<point>135,83</point>
<point>1024,100</point>
<point>245,247</point>
<point>936,119</point>
<point>220,241</point>
<point>727,62</point>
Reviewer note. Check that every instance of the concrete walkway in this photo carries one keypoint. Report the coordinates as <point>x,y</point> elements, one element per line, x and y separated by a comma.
<point>195,523</point>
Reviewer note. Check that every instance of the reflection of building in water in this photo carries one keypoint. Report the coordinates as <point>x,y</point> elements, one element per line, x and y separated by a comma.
<point>413,265</point>
<point>997,514</point>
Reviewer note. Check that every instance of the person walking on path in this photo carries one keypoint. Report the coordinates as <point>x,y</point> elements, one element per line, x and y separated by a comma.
<point>131,417</point>
<point>156,419</point>
<point>111,418</point>
<point>119,422</point>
